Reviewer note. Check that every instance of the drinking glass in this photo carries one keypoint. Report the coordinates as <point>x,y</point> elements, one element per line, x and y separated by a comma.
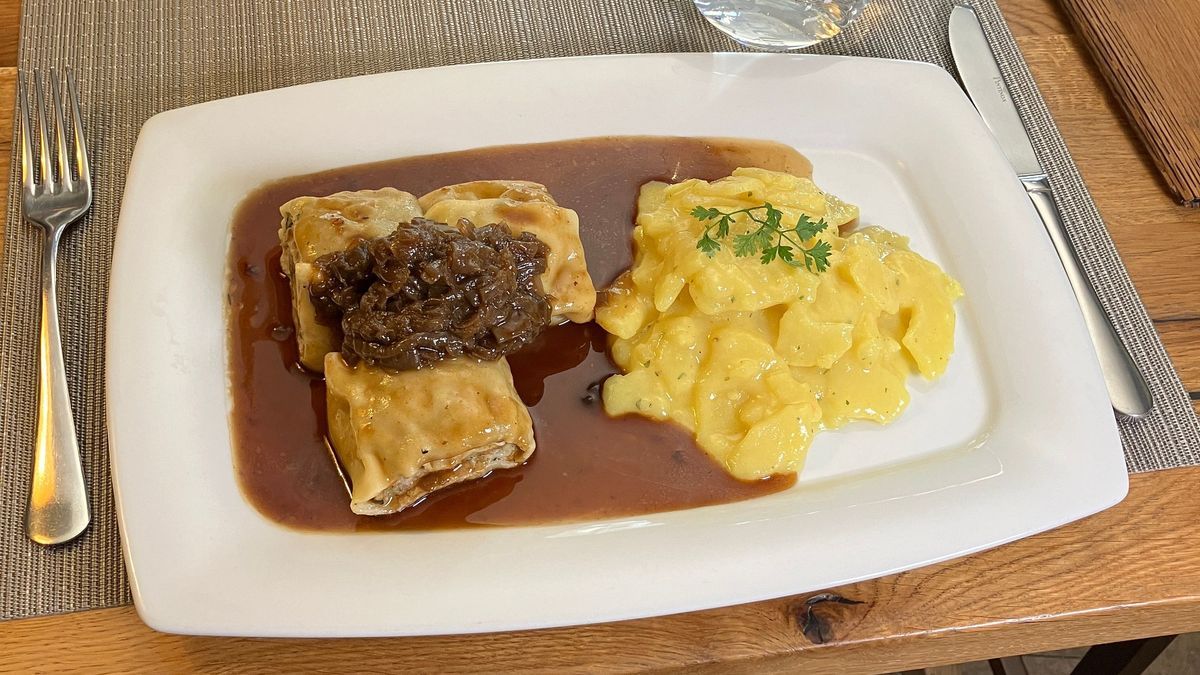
<point>780,25</point>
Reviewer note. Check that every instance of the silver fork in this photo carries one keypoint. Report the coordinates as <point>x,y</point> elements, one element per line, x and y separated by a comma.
<point>53,200</point>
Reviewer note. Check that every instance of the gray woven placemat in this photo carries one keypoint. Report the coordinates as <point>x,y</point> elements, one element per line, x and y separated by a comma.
<point>135,58</point>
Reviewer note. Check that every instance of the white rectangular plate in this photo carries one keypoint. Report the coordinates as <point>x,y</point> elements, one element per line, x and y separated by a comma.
<point>1018,438</point>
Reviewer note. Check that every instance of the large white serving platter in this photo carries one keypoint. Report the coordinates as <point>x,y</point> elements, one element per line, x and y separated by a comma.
<point>1017,438</point>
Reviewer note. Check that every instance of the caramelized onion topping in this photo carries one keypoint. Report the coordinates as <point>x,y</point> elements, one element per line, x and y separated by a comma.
<point>429,291</point>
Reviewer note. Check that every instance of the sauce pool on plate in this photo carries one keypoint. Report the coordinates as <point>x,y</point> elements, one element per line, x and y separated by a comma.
<point>587,465</point>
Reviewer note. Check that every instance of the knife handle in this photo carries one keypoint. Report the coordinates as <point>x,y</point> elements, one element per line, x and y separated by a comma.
<point>1126,388</point>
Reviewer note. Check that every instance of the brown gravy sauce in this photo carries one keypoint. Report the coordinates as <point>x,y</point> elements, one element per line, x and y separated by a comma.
<point>586,465</point>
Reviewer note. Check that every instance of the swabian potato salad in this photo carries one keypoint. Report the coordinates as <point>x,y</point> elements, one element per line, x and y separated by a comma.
<point>749,318</point>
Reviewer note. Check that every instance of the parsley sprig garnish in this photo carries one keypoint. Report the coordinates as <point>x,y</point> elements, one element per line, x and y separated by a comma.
<point>769,241</point>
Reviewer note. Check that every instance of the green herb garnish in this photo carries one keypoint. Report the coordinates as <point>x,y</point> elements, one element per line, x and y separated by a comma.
<point>769,241</point>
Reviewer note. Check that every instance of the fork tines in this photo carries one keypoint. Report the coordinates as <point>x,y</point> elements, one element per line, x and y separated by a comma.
<point>71,171</point>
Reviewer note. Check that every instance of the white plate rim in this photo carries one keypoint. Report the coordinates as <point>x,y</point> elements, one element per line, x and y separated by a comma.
<point>163,605</point>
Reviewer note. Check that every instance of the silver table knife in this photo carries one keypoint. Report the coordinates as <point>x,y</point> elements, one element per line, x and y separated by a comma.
<point>981,75</point>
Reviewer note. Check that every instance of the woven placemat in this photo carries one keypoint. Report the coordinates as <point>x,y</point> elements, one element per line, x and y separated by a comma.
<point>135,58</point>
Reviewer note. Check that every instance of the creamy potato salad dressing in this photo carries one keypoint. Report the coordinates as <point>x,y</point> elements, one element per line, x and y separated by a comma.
<point>755,359</point>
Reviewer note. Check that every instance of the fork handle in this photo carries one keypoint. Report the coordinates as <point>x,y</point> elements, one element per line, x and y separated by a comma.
<point>58,507</point>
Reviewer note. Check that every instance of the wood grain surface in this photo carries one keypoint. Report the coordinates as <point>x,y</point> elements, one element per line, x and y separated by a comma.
<point>1149,52</point>
<point>1131,571</point>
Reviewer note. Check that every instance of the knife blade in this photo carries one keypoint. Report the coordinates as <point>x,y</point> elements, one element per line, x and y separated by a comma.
<point>989,92</point>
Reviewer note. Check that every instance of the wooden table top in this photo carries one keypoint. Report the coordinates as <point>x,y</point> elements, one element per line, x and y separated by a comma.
<point>1129,572</point>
